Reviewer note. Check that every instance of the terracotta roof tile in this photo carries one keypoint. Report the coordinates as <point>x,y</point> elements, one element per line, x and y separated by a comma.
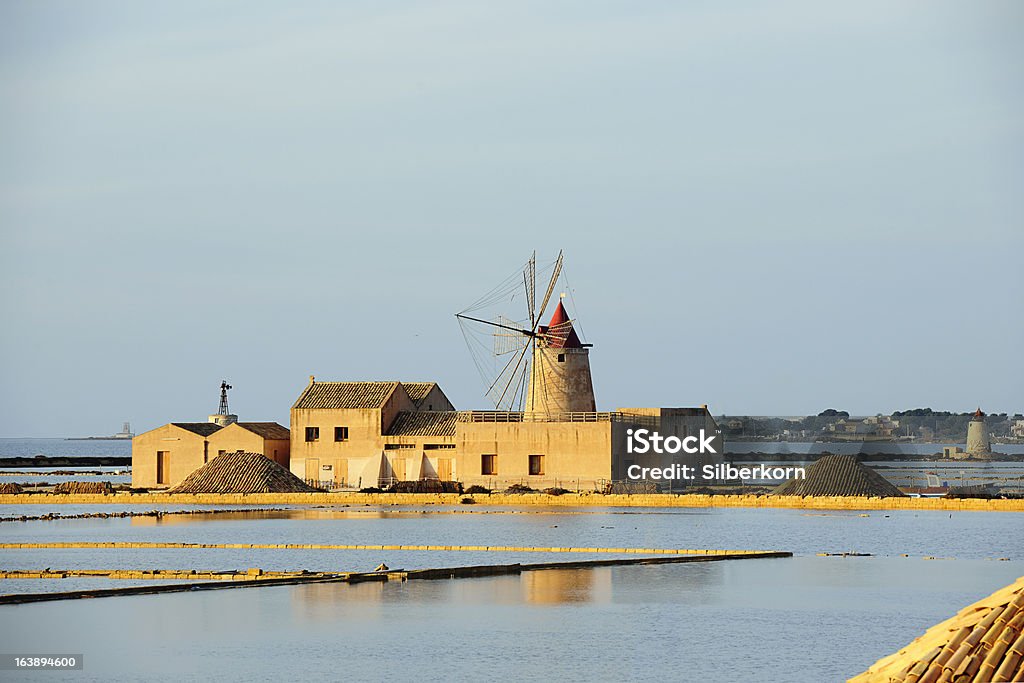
<point>200,428</point>
<point>984,642</point>
<point>424,423</point>
<point>418,390</point>
<point>345,395</point>
<point>268,430</point>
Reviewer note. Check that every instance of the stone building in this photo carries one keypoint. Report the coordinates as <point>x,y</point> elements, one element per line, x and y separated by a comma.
<point>876,427</point>
<point>342,430</point>
<point>164,456</point>
<point>362,434</point>
<point>978,443</point>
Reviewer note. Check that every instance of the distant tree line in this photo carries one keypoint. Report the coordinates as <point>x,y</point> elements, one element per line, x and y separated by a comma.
<point>919,423</point>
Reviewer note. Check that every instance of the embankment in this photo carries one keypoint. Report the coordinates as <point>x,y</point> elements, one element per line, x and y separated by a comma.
<point>531,499</point>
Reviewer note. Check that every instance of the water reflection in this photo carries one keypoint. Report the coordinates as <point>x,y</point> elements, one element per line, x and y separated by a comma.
<point>200,517</point>
<point>552,587</point>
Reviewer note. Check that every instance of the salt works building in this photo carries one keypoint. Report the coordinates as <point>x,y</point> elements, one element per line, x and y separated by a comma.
<point>362,434</point>
<point>165,456</point>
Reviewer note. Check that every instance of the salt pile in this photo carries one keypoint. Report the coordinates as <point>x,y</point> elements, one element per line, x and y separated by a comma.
<point>242,473</point>
<point>839,475</point>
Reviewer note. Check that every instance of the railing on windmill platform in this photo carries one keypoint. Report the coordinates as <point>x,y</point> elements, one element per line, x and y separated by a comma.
<point>519,416</point>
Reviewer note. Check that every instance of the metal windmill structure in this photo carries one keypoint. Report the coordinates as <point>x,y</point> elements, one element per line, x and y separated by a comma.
<point>506,358</point>
<point>222,409</point>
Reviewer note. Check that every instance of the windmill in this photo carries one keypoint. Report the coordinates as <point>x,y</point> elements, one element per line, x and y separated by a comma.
<point>540,369</point>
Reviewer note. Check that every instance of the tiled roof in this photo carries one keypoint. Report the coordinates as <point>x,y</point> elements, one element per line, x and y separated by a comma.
<point>984,642</point>
<point>241,473</point>
<point>268,430</point>
<point>345,395</point>
<point>839,475</point>
<point>424,423</point>
<point>200,428</point>
<point>418,390</point>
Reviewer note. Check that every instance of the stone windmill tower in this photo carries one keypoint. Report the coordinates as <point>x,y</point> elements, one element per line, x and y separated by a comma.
<point>977,435</point>
<point>542,370</point>
<point>560,380</point>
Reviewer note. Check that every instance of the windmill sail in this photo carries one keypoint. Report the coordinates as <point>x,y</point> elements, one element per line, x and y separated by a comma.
<point>505,350</point>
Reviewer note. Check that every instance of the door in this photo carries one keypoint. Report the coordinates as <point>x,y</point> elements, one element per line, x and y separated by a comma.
<point>341,473</point>
<point>444,469</point>
<point>163,467</point>
<point>313,470</point>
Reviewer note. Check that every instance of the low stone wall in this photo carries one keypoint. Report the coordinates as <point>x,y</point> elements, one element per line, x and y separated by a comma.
<point>566,500</point>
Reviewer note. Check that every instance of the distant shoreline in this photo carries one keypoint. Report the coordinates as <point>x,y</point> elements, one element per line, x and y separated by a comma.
<point>758,456</point>
<point>66,461</point>
<point>98,438</point>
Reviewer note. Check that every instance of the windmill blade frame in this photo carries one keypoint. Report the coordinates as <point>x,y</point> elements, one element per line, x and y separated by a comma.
<point>509,337</point>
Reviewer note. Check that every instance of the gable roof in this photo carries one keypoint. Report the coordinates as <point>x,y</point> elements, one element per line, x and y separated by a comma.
<point>268,430</point>
<point>345,395</point>
<point>418,390</point>
<point>424,423</point>
<point>200,428</point>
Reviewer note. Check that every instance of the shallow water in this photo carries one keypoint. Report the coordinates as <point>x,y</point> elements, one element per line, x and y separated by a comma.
<point>801,619</point>
<point>806,618</point>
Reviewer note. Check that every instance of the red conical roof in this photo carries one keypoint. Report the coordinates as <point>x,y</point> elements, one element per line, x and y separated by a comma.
<point>560,332</point>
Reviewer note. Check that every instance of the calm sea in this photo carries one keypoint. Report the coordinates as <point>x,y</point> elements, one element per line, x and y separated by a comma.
<point>806,618</point>
<point>64,447</point>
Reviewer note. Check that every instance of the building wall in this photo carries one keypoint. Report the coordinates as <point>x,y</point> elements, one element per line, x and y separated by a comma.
<point>364,438</point>
<point>352,460</point>
<point>678,422</point>
<point>236,438</point>
<point>436,400</point>
<point>185,450</point>
<point>573,452</point>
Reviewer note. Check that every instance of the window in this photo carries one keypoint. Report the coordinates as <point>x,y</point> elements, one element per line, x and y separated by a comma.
<point>561,358</point>
<point>312,433</point>
<point>536,464</point>
<point>341,433</point>
<point>489,464</point>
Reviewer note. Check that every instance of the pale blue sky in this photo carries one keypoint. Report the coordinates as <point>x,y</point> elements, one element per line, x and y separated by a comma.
<point>772,208</point>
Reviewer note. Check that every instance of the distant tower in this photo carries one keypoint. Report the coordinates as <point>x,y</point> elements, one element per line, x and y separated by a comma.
<point>223,417</point>
<point>560,380</point>
<point>977,435</point>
